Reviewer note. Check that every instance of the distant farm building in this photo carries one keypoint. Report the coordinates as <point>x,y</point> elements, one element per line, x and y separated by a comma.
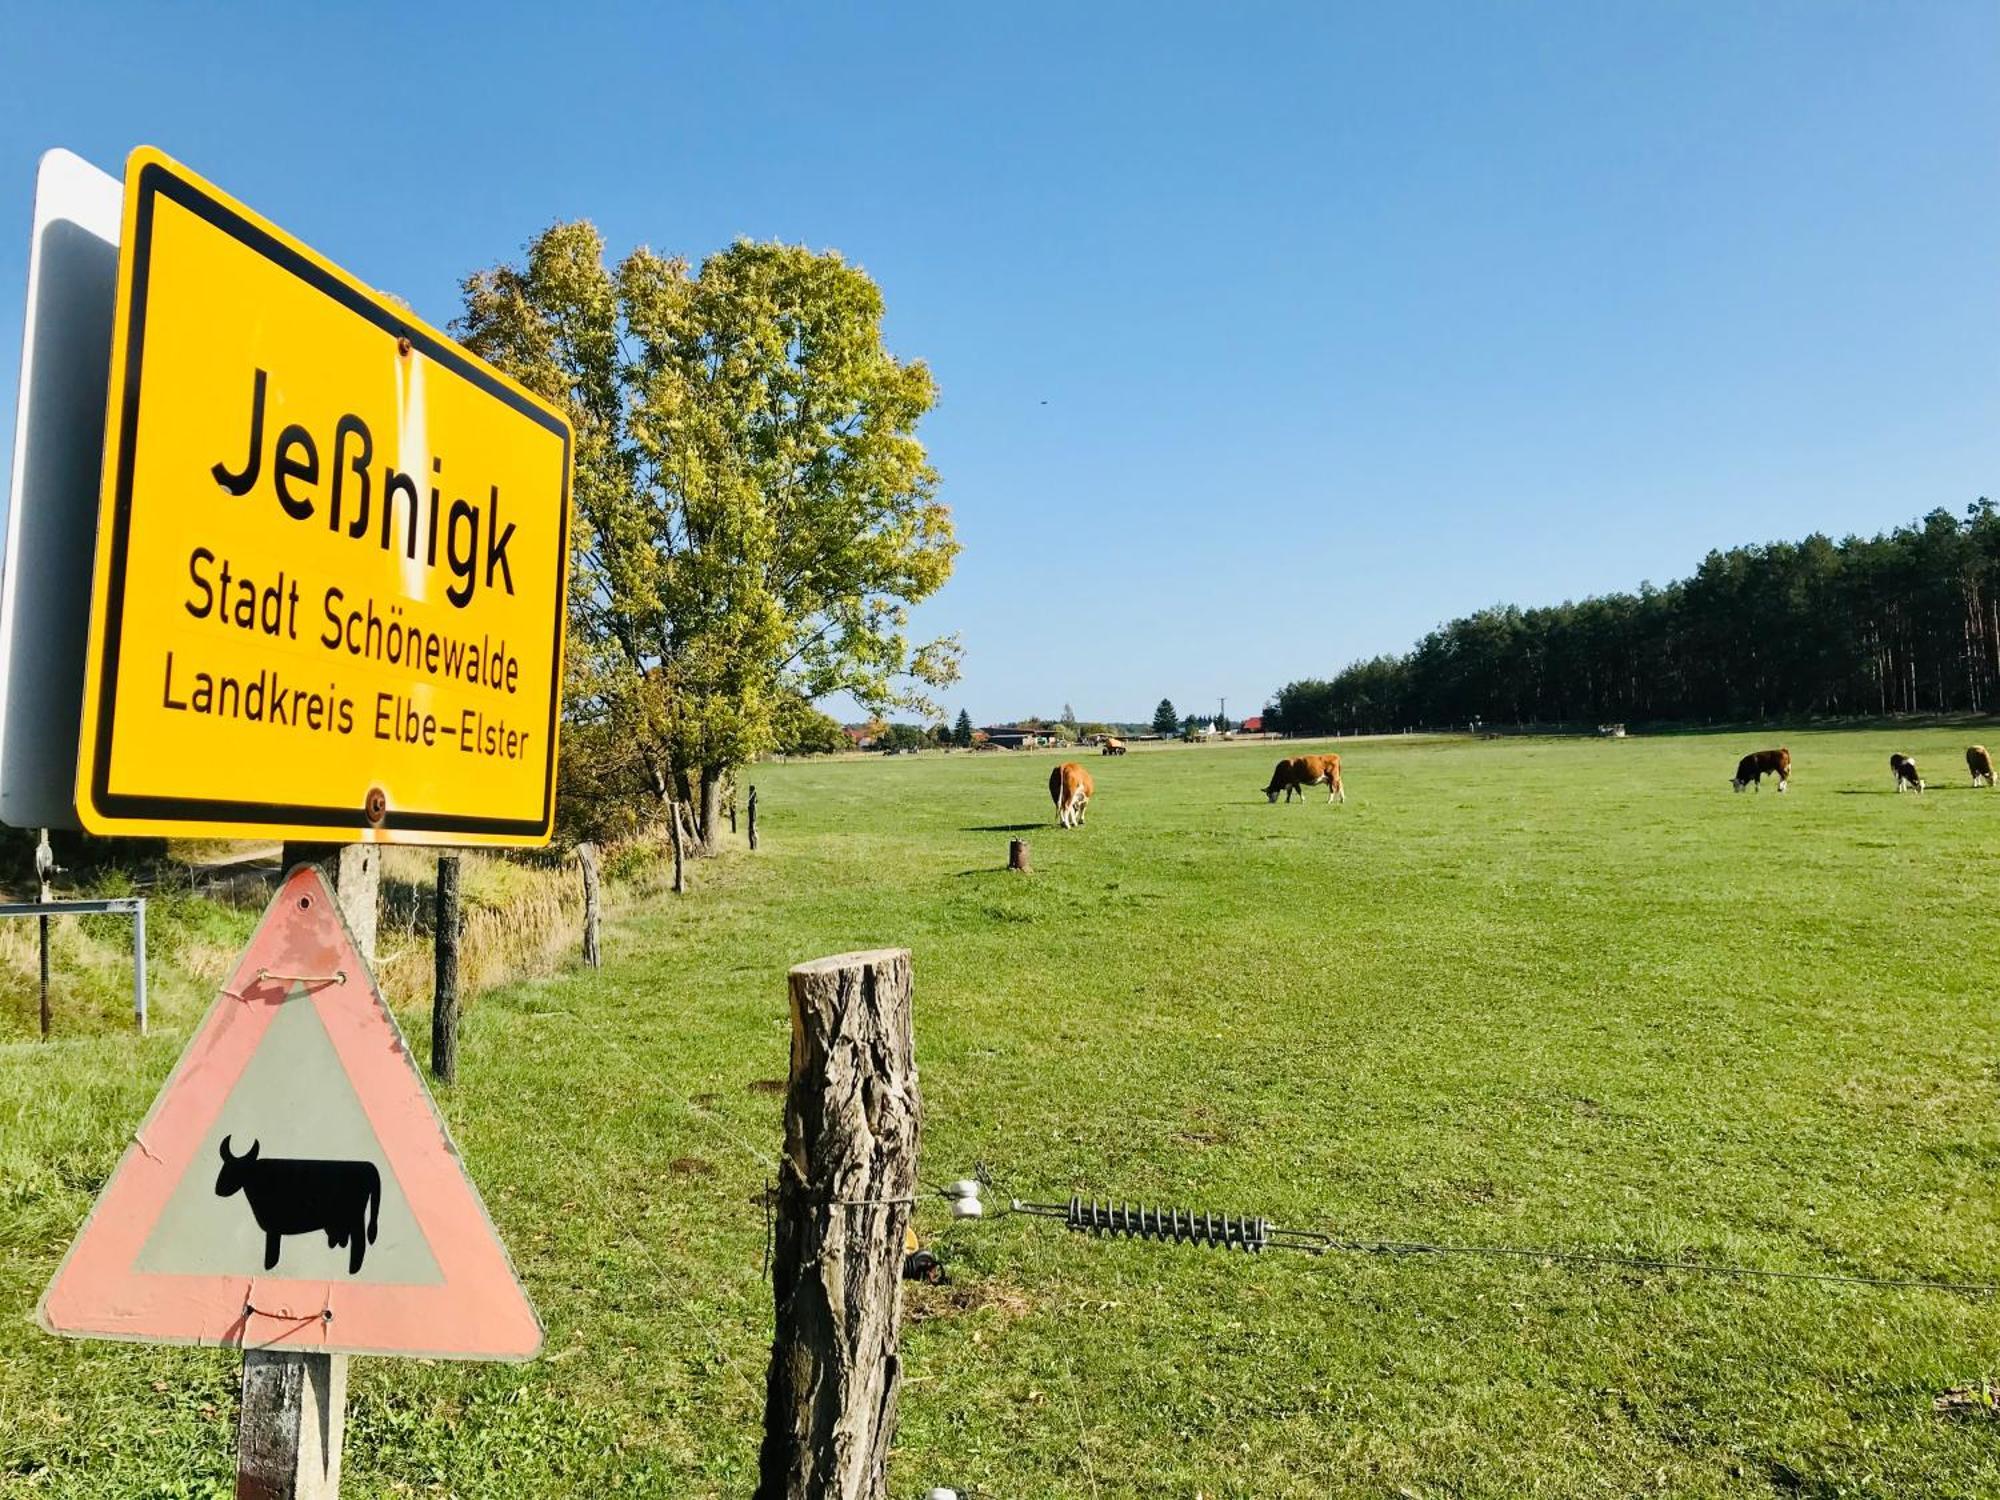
<point>1015,737</point>
<point>1252,725</point>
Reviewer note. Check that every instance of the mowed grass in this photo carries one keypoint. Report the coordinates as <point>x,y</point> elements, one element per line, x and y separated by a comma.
<point>1565,994</point>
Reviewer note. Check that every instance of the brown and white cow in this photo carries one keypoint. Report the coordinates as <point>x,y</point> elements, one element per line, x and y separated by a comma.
<point>1754,767</point>
<point>1980,764</point>
<point>1905,771</point>
<point>1070,787</point>
<point>1302,771</point>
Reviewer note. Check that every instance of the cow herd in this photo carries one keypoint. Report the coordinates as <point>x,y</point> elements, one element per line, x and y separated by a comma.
<point>1071,788</point>
<point>1754,767</point>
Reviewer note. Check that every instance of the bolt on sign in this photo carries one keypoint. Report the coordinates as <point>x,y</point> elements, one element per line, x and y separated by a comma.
<point>293,1187</point>
<point>332,548</point>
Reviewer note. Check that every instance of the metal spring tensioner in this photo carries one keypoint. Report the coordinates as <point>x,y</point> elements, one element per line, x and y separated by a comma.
<point>1176,1226</point>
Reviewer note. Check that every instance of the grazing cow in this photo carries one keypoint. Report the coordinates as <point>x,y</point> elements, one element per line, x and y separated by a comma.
<point>343,1199</point>
<point>1980,764</point>
<point>1112,746</point>
<point>1905,771</point>
<point>1754,767</point>
<point>1070,787</point>
<point>1302,771</point>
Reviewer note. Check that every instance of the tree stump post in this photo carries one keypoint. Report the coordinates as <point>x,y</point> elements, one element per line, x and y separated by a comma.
<point>586,855</point>
<point>444,1001</point>
<point>753,820</point>
<point>1017,855</point>
<point>292,1419</point>
<point>846,1187</point>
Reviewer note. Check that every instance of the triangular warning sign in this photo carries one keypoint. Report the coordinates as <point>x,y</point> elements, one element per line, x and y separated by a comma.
<point>293,1186</point>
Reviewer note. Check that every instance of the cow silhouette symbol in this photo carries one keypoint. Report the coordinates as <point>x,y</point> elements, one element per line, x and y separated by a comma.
<point>295,1195</point>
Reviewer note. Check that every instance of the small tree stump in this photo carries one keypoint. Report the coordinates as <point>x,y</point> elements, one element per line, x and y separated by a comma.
<point>586,855</point>
<point>853,1118</point>
<point>1017,855</point>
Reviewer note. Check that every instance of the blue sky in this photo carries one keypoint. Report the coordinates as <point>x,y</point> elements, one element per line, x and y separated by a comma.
<point>1268,336</point>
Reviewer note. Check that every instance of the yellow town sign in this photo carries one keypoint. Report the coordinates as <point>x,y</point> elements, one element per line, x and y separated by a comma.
<point>331,553</point>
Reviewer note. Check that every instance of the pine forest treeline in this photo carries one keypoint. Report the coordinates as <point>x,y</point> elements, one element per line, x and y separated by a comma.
<point>1908,622</point>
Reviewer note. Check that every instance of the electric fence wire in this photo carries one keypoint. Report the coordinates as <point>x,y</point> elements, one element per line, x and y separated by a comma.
<point>1254,1235</point>
<point>1650,1263</point>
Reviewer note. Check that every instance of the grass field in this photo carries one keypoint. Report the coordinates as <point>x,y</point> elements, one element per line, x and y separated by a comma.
<point>1548,993</point>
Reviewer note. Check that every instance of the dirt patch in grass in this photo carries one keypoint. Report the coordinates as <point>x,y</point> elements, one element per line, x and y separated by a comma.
<point>923,1303</point>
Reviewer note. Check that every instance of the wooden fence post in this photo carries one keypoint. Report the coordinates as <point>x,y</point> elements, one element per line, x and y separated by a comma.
<point>680,852</point>
<point>846,1187</point>
<point>45,864</point>
<point>292,1419</point>
<point>444,1001</point>
<point>753,820</point>
<point>1017,855</point>
<point>586,855</point>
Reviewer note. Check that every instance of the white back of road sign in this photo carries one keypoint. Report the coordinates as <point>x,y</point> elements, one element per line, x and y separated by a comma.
<point>52,502</point>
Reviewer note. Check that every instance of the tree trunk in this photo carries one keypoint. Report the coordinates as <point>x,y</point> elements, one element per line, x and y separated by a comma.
<point>680,849</point>
<point>853,1119</point>
<point>586,855</point>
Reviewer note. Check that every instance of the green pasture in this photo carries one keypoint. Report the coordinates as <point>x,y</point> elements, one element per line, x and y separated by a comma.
<point>1562,994</point>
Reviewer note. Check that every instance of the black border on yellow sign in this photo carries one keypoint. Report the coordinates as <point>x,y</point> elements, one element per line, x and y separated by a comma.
<point>157,180</point>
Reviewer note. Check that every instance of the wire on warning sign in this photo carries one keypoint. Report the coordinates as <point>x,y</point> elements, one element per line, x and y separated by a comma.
<point>338,976</point>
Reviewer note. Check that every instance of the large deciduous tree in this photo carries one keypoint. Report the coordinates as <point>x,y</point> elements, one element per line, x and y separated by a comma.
<point>754,513</point>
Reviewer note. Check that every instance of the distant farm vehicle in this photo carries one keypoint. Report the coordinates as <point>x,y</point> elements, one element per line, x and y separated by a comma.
<point>1112,746</point>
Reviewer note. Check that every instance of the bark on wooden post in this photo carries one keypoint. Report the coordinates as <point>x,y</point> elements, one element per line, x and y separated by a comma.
<point>853,1118</point>
<point>444,1002</point>
<point>753,820</point>
<point>1017,855</point>
<point>289,1433</point>
<point>293,1417</point>
<point>680,852</point>
<point>586,855</point>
